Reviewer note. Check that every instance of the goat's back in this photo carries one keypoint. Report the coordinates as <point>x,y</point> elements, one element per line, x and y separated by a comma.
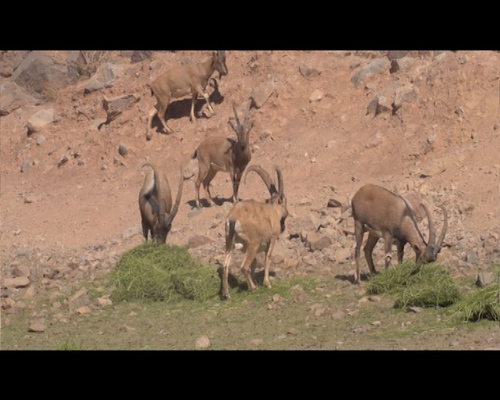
<point>378,207</point>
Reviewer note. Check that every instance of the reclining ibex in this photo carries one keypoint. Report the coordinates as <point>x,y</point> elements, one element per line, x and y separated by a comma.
<point>181,81</point>
<point>222,154</point>
<point>390,216</point>
<point>253,227</point>
<point>155,204</point>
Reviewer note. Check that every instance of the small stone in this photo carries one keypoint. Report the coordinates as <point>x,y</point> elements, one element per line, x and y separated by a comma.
<point>37,327</point>
<point>122,150</point>
<point>202,343</point>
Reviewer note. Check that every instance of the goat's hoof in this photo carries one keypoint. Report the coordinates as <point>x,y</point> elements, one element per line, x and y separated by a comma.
<point>226,297</point>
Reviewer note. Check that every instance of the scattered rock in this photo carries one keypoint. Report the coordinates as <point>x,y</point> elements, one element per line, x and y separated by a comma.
<point>40,120</point>
<point>25,165</point>
<point>80,298</point>
<point>12,97</point>
<point>316,95</point>
<point>198,240</point>
<point>261,93</point>
<point>17,282</point>
<point>104,77</point>
<point>377,66</point>
<point>37,327</point>
<point>116,105</point>
<point>202,343</point>
<point>122,150</point>
<point>308,71</point>
<point>485,279</point>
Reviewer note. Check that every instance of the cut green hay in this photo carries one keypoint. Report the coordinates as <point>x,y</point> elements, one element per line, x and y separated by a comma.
<point>480,304</point>
<point>424,285</point>
<point>162,273</point>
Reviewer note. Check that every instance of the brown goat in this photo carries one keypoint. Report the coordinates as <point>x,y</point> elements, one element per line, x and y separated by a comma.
<point>221,154</point>
<point>155,204</point>
<point>390,216</point>
<point>253,227</point>
<point>183,80</point>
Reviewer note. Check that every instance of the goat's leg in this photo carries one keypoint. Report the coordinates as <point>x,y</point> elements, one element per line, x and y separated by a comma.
<point>203,169</point>
<point>192,118</point>
<point>151,115</point>
<point>236,184</point>
<point>400,246</point>
<point>162,109</point>
<point>225,274</point>
<point>250,253</point>
<point>205,96</point>
<point>371,241</point>
<point>359,231</point>
<point>269,251</point>
<point>206,184</point>
<point>388,248</point>
<point>145,230</point>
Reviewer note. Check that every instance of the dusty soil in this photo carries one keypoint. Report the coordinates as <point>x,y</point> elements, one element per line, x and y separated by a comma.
<point>442,145</point>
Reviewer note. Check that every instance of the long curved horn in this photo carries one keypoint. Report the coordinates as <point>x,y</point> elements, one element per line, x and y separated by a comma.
<point>432,232</point>
<point>439,243</point>
<point>159,191</point>
<point>265,177</point>
<point>281,184</point>
<point>175,208</point>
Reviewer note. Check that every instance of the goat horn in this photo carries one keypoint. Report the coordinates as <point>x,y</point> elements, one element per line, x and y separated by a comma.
<point>265,177</point>
<point>175,208</point>
<point>432,232</point>
<point>281,185</point>
<point>236,115</point>
<point>443,232</point>
<point>159,191</point>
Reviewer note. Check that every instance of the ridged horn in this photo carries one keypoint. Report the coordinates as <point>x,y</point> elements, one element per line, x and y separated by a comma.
<point>439,243</point>
<point>271,186</point>
<point>175,208</point>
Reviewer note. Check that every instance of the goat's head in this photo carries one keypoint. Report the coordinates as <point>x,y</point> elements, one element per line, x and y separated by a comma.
<point>219,62</point>
<point>433,248</point>
<point>278,197</point>
<point>242,130</point>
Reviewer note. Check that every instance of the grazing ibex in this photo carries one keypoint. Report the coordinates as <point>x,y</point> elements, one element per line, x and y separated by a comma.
<point>183,80</point>
<point>222,154</point>
<point>390,216</point>
<point>253,227</point>
<point>155,204</point>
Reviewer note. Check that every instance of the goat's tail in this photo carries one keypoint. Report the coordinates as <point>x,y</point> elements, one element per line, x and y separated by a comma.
<point>230,235</point>
<point>195,154</point>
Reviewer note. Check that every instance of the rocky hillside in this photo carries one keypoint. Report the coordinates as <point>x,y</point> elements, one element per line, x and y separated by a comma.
<point>73,139</point>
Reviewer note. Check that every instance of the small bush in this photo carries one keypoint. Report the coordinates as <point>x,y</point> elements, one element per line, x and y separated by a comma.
<point>424,285</point>
<point>162,273</point>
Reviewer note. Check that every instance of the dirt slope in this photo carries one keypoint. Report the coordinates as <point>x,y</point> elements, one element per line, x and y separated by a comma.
<point>442,144</point>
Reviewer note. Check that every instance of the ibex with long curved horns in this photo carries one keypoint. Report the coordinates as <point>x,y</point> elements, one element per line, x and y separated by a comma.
<point>155,204</point>
<point>390,216</point>
<point>183,80</point>
<point>222,154</point>
<point>253,227</point>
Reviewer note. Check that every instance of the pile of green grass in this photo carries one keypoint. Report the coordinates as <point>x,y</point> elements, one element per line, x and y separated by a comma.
<point>424,285</point>
<point>483,303</point>
<point>162,273</point>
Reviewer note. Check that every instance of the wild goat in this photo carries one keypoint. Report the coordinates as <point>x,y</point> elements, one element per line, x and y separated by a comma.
<point>222,154</point>
<point>253,227</point>
<point>155,204</point>
<point>181,81</point>
<point>390,216</point>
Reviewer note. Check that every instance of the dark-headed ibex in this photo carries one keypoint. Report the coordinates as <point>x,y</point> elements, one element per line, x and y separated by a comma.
<point>183,80</point>
<point>155,204</point>
<point>390,216</point>
<point>222,154</point>
<point>253,227</point>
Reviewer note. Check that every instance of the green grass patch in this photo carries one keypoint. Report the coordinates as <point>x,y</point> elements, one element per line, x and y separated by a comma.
<point>424,285</point>
<point>483,303</point>
<point>162,273</point>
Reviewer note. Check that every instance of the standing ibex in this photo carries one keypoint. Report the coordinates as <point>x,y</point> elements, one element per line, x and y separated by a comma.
<point>155,204</point>
<point>181,81</point>
<point>253,227</point>
<point>222,154</point>
<point>390,216</point>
